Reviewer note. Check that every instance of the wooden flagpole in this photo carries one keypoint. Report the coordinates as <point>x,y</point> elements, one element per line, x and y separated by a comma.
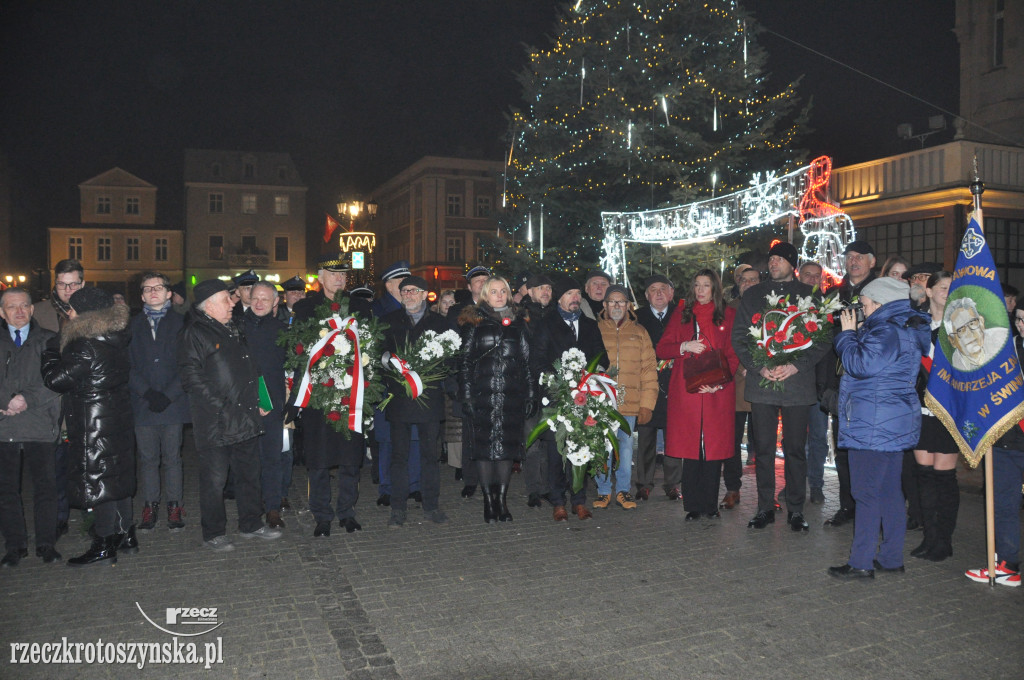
<point>977,188</point>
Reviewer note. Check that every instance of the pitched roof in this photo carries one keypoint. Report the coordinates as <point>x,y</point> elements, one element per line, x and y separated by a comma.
<point>116,177</point>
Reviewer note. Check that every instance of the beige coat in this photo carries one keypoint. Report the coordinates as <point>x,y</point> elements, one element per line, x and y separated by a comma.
<point>631,352</point>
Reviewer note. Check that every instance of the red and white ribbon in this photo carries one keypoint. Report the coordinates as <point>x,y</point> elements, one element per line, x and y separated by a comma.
<point>412,378</point>
<point>350,327</point>
<point>788,319</point>
<point>598,383</point>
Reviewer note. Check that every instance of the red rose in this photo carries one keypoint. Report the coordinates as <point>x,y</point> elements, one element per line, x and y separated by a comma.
<point>791,308</point>
<point>589,422</point>
<point>779,337</point>
<point>580,399</point>
<point>344,401</point>
<point>333,416</point>
<point>299,349</point>
<point>811,326</point>
<point>770,326</point>
<point>335,306</point>
<point>328,383</point>
<point>329,350</point>
<point>830,320</point>
<point>289,381</point>
<point>756,318</point>
<point>799,337</point>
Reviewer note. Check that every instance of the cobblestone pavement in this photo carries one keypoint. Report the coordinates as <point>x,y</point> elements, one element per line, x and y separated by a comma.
<point>637,594</point>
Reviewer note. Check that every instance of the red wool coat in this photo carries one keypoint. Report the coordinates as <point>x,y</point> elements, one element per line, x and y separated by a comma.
<point>686,412</point>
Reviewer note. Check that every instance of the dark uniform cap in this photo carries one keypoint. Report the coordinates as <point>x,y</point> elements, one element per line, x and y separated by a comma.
<point>294,283</point>
<point>361,292</point>
<point>397,270</point>
<point>522,279</point>
<point>476,271</point>
<point>246,278</point>
<point>334,262</point>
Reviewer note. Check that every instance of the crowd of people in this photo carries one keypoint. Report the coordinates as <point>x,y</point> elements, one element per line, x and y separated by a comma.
<point>100,399</point>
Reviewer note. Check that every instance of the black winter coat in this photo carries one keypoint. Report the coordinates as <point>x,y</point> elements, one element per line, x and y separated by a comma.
<point>261,333</point>
<point>323,447</point>
<point>402,408</point>
<point>221,380</point>
<point>655,328</point>
<point>495,382</point>
<point>154,364</point>
<point>90,368</point>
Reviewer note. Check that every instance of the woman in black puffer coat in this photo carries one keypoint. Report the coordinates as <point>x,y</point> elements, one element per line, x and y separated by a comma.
<point>497,390</point>
<point>90,369</point>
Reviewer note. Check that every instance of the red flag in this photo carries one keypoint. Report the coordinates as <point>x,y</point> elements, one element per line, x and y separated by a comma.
<point>329,228</point>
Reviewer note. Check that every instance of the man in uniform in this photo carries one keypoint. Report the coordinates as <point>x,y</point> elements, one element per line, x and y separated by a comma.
<point>294,290</point>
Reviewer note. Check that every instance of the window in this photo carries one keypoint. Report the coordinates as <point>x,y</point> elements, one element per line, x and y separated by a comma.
<point>281,205</point>
<point>454,249</point>
<point>249,244</point>
<point>917,240</point>
<point>483,206</point>
<point>103,249</point>
<point>281,248</point>
<point>998,36</point>
<point>161,250</point>
<point>248,204</point>
<point>249,170</point>
<point>216,203</point>
<point>216,248</point>
<point>103,205</point>
<point>1006,240</point>
<point>75,247</point>
<point>131,205</point>
<point>131,248</point>
<point>454,205</point>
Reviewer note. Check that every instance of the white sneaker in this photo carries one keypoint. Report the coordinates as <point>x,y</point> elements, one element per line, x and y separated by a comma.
<point>1004,576</point>
<point>263,532</point>
<point>220,544</point>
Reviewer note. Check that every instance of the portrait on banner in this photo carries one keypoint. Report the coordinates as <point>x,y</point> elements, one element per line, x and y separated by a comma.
<point>976,328</point>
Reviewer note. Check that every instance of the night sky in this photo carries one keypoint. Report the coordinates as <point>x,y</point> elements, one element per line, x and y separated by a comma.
<point>356,90</point>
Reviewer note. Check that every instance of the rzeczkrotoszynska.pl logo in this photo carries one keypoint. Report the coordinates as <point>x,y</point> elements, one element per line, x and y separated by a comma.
<point>185,616</point>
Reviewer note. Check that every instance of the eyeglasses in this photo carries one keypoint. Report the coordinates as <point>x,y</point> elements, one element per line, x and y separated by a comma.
<point>920,277</point>
<point>153,289</point>
<point>74,285</point>
<point>617,303</point>
<point>969,327</point>
<point>412,291</point>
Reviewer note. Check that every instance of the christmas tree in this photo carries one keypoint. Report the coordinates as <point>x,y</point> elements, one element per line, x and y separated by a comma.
<point>638,105</point>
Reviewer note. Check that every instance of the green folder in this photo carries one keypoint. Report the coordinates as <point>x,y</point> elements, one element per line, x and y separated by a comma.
<point>265,402</point>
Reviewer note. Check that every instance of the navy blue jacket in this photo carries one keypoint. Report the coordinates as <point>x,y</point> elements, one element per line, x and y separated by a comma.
<point>155,367</point>
<point>879,409</point>
<point>261,333</point>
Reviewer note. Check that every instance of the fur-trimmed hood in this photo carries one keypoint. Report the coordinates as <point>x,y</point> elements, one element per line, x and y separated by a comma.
<point>474,314</point>
<point>96,324</point>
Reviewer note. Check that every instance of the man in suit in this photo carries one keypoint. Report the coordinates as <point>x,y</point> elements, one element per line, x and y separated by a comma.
<point>564,328</point>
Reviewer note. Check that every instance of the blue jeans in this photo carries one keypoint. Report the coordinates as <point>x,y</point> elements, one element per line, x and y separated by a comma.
<point>875,483</point>
<point>382,431</point>
<point>1007,467</point>
<point>817,446</point>
<point>624,472</point>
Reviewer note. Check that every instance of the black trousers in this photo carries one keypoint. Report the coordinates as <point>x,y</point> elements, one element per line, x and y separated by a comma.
<point>320,492</point>
<point>560,477</point>
<point>846,500</point>
<point>645,456</point>
<point>701,478</point>
<point>430,472</point>
<point>214,463</point>
<point>470,475</point>
<point>732,468</point>
<point>112,517</point>
<point>39,458</point>
<point>764,423</point>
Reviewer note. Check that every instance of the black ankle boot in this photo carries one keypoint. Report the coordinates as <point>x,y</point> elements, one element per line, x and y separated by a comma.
<point>104,549</point>
<point>490,505</point>
<point>946,510</point>
<point>503,514</point>
<point>126,542</point>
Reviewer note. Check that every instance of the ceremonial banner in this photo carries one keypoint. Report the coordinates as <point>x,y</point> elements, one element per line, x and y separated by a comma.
<point>975,386</point>
<point>329,228</point>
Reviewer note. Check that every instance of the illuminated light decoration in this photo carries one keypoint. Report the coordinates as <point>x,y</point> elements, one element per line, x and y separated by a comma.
<point>529,228</point>
<point>664,107</point>
<point>583,76</point>
<point>357,240</point>
<point>799,194</point>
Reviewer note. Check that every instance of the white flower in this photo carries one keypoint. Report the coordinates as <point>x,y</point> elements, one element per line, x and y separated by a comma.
<point>346,381</point>
<point>364,359</point>
<point>551,423</point>
<point>613,425</point>
<point>341,344</point>
<point>323,332</point>
<point>756,332</point>
<point>773,298</point>
<point>544,401</point>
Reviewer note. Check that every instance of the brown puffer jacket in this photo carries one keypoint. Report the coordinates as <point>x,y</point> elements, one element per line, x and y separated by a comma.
<point>630,350</point>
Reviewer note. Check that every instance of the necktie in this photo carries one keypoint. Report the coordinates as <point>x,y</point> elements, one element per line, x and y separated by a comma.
<point>572,326</point>
<point>661,316</point>
<point>17,337</point>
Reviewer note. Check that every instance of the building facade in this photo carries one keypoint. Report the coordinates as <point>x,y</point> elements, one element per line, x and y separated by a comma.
<point>117,237</point>
<point>243,210</point>
<point>435,214</point>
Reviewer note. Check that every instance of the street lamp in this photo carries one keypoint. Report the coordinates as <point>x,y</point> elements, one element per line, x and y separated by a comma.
<point>352,210</point>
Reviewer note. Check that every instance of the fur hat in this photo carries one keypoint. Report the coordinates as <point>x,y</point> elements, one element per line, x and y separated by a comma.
<point>91,299</point>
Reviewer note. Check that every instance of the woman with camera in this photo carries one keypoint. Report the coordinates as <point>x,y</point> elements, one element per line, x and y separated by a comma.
<point>880,416</point>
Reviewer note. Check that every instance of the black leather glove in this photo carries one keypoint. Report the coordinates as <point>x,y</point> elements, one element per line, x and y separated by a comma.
<point>531,408</point>
<point>158,401</point>
<point>291,414</point>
